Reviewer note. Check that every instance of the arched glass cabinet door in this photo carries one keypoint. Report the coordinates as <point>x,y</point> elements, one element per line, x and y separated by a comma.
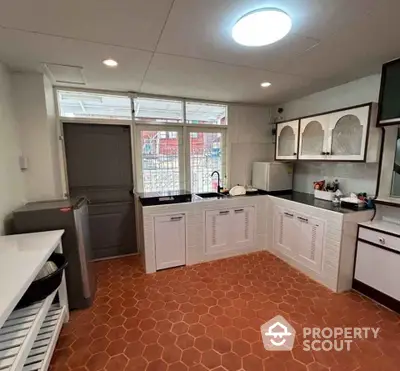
<point>313,132</point>
<point>348,134</point>
<point>287,140</point>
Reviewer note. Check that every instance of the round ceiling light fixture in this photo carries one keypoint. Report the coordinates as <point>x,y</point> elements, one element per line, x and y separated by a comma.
<point>261,27</point>
<point>265,84</point>
<point>110,63</point>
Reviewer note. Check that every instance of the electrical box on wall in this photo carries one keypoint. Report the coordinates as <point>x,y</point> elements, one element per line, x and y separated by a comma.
<point>23,162</point>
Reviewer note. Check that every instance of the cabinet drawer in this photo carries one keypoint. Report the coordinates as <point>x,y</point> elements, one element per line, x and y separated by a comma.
<point>379,238</point>
<point>378,268</point>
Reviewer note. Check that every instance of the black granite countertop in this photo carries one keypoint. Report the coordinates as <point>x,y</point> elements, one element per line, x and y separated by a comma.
<point>309,199</point>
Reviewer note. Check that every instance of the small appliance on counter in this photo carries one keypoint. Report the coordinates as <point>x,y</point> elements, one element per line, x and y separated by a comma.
<point>273,177</point>
<point>73,217</point>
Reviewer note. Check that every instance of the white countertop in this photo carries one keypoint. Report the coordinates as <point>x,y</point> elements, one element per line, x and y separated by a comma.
<point>21,258</point>
<point>383,226</point>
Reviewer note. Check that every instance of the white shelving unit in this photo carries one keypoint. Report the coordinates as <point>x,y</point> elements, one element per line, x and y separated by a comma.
<point>28,336</point>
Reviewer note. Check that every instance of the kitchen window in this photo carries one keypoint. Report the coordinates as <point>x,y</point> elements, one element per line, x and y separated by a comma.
<point>179,144</point>
<point>90,105</point>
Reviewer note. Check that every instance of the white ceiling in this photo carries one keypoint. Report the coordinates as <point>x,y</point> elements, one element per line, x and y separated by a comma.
<point>184,47</point>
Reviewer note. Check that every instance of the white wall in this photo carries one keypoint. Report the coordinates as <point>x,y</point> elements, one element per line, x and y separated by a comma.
<point>353,177</point>
<point>250,138</point>
<point>38,135</point>
<point>360,91</point>
<point>11,177</point>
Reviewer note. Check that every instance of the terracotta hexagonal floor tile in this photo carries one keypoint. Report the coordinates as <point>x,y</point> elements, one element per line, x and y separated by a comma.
<point>158,365</point>
<point>211,359</point>
<point>232,333</point>
<point>134,349</point>
<point>206,319</point>
<point>136,364</point>
<point>180,328</point>
<point>99,331</point>
<point>197,330</point>
<point>116,347</point>
<point>251,363</point>
<point>222,345</point>
<point>251,335</point>
<point>149,337</point>
<point>231,361</point>
<point>241,347</point>
<point>133,335</point>
<point>97,361</point>
<point>166,339</point>
<point>78,358</point>
<point>171,354</point>
<point>203,343</point>
<point>152,352</point>
<point>191,357</point>
<point>214,331</point>
<point>185,341</point>
<point>178,366</point>
<point>116,333</point>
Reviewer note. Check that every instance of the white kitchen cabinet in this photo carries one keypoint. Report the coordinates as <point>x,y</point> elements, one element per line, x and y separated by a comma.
<point>313,144</point>
<point>287,140</point>
<point>242,227</point>
<point>229,229</point>
<point>285,231</point>
<point>170,241</point>
<point>218,231</point>
<point>347,134</point>
<point>310,241</point>
<point>344,135</point>
<point>299,236</point>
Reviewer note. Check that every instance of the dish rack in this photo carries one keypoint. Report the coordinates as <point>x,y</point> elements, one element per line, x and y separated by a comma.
<point>28,335</point>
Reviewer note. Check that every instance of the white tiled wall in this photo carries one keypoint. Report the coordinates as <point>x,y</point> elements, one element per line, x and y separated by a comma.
<point>353,177</point>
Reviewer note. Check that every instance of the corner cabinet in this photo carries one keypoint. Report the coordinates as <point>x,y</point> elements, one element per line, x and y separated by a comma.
<point>299,237</point>
<point>342,135</point>
<point>287,134</point>
<point>230,229</point>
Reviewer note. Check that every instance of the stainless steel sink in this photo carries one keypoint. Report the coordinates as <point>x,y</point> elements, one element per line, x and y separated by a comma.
<point>213,195</point>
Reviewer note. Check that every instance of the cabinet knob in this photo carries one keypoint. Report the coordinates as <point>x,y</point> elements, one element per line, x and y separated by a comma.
<point>328,153</point>
<point>322,153</point>
<point>294,153</point>
<point>382,240</point>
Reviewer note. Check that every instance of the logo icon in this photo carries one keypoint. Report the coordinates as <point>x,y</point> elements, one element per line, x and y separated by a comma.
<point>278,334</point>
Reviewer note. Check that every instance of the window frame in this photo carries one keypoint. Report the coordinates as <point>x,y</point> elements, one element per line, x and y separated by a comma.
<point>184,149</point>
<point>136,124</point>
<point>196,129</point>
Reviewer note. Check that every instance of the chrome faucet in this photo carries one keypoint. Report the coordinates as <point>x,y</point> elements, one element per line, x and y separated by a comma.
<point>219,188</point>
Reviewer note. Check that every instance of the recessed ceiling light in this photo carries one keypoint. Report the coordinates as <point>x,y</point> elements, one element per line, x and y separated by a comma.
<point>265,84</point>
<point>261,27</point>
<point>110,63</point>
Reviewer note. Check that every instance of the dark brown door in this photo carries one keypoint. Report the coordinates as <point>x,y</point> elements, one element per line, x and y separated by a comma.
<point>99,166</point>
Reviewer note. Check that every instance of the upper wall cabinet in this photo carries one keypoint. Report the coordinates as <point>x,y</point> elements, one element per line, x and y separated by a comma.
<point>287,140</point>
<point>347,134</point>
<point>342,135</point>
<point>313,138</point>
<point>389,101</point>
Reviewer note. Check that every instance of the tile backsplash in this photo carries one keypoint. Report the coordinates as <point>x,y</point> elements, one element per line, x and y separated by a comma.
<point>353,177</point>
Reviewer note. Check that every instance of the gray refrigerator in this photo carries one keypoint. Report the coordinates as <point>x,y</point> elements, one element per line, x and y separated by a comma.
<point>72,216</point>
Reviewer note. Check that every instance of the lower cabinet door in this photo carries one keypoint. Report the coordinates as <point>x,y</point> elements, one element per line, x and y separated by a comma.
<point>242,227</point>
<point>285,231</point>
<point>218,231</point>
<point>170,241</point>
<point>378,268</point>
<point>310,242</point>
